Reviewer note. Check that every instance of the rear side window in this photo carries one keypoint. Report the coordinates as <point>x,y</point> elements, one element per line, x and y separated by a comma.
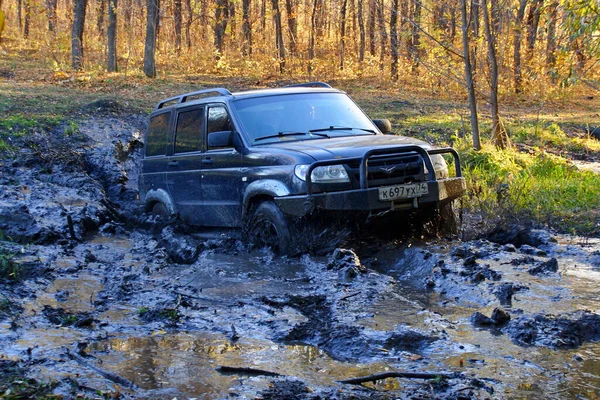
<point>188,134</point>
<point>156,140</point>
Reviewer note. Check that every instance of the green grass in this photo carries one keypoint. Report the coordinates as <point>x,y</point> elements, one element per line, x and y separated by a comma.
<point>537,185</point>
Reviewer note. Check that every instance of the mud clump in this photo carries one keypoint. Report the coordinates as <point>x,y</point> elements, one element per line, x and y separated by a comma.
<point>563,331</point>
<point>544,268</point>
<point>288,389</point>
<point>519,236</point>
<point>499,317</point>
<point>179,247</point>
<point>347,262</point>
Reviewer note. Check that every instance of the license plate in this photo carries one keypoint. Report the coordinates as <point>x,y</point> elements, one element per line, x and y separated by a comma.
<point>403,191</point>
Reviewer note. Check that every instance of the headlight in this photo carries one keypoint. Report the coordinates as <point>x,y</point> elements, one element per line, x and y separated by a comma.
<point>325,174</point>
<point>439,165</point>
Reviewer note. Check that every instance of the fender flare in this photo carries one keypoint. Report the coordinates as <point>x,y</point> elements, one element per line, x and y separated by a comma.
<point>264,187</point>
<point>160,195</point>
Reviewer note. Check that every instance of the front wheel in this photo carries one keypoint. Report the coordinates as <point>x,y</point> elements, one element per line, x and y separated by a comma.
<point>268,227</point>
<point>441,220</point>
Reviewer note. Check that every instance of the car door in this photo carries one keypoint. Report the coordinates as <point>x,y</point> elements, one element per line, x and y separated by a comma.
<point>184,176</point>
<point>221,173</point>
<point>154,165</point>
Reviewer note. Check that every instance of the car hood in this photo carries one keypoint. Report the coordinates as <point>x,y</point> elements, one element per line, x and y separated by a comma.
<point>347,146</point>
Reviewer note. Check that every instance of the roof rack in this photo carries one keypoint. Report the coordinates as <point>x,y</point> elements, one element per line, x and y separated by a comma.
<point>311,84</point>
<point>183,97</point>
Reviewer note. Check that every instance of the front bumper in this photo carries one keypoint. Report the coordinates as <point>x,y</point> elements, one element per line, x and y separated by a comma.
<point>367,199</point>
<point>440,191</point>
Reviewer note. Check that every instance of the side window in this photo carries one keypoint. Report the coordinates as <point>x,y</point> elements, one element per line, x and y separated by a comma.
<point>188,133</point>
<point>156,139</point>
<point>218,119</point>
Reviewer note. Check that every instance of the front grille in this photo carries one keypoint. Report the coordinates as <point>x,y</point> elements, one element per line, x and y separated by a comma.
<point>391,169</point>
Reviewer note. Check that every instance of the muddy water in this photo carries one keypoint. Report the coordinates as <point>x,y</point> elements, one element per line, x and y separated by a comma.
<point>234,309</point>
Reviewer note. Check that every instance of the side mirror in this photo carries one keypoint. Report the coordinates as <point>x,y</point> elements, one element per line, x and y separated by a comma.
<point>384,125</point>
<point>220,139</point>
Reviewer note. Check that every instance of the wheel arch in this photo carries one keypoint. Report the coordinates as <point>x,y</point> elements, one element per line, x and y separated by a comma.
<point>262,190</point>
<point>154,196</point>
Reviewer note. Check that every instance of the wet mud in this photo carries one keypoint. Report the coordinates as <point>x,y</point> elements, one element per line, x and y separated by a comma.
<point>98,299</point>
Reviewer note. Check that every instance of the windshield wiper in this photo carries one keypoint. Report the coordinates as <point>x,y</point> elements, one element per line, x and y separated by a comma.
<point>290,133</point>
<point>342,128</point>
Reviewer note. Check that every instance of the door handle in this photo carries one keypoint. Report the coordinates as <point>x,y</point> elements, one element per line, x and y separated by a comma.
<point>207,161</point>
<point>173,163</point>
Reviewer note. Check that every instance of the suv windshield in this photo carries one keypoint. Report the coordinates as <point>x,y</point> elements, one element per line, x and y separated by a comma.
<point>301,116</point>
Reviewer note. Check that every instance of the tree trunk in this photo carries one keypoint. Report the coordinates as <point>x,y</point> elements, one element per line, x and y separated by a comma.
<point>221,19</point>
<point>279,35</point>
<point>246,28</point>
<point>394,39</point>
<point>100,17</point>
<point>263,16</point>
<point>551,44</point>
<point>27,22</point>
<point>232,21</point>
<point>343,33</point>
<point>177,22</point>
<point>51,13</point>
<point>518,73</point>
<point>382,32</point>
<point>499,136</point>
<point>77,34</point>
<point>415,42</point>
<point>533,20</point>
<point>20,14</point>
<point>152,12</point>
<point>311,40</point>
<point>371,25</point>
<point>469,76</point>
<point>112,36</point>
<point>292,25</point>
<point>361,27</point>
<point>188,23</point>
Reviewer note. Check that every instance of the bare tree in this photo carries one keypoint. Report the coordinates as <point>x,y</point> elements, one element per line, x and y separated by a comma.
<point>246,28</point>
<point>279,35</point>
<point>112,36</point>
<point>371,25</point>
<point>27,22</point>
<point>51,13</point>
<point>361,27</point>
<point>551,43</point>
<point>382,32</point>
<point>533,20</point>
<point>100,17</point>
<point>499,136</point>
<point>311,41</point>
<point>292,25</point>
<point>152,14</point>
<point>221,20</point>
<point>77,34</point>
<point>517,69</point>
<point>469,75</point>
<point>188,23</point>
<point>394,38</point>
<point>343,33</point>
<point>177,22</point>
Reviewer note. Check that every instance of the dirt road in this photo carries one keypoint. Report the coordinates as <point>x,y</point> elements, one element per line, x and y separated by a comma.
<point>97,299</point>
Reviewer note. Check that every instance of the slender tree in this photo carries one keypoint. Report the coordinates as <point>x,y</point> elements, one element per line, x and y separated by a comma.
<point>100,17</point>
<point>221,20</point>
<point>246,28</point>
<point>77,34</point>
<point>112,36</point>
<point>177,23</point>
<point>343,33</point>
<point>27,22</point>
<point>292,25</point>
<point>152,15</point>
<point>394,38</point>
<point>551,29</point>
<point>279,35</point>
<point>361,27</point>
<point>517,69</point>
<point>469,75</point>
<point>51,6</point>
<point>499,136</point>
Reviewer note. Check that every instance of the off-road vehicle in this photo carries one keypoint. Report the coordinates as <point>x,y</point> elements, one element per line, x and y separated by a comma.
<point>264,159</point>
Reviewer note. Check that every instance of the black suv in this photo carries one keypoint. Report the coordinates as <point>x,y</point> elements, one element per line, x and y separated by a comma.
<point>263,159</point>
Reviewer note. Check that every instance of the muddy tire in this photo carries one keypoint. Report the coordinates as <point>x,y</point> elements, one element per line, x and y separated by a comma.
<point>440,221</point>
<point>268,227</point>
<point>160,212</point>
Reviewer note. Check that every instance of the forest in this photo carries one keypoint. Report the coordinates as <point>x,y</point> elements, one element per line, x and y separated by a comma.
<point>527,46</point>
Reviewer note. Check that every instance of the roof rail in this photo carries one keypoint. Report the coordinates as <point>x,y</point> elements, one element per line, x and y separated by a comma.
<point>183,97</point>
<point>311,84</point>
